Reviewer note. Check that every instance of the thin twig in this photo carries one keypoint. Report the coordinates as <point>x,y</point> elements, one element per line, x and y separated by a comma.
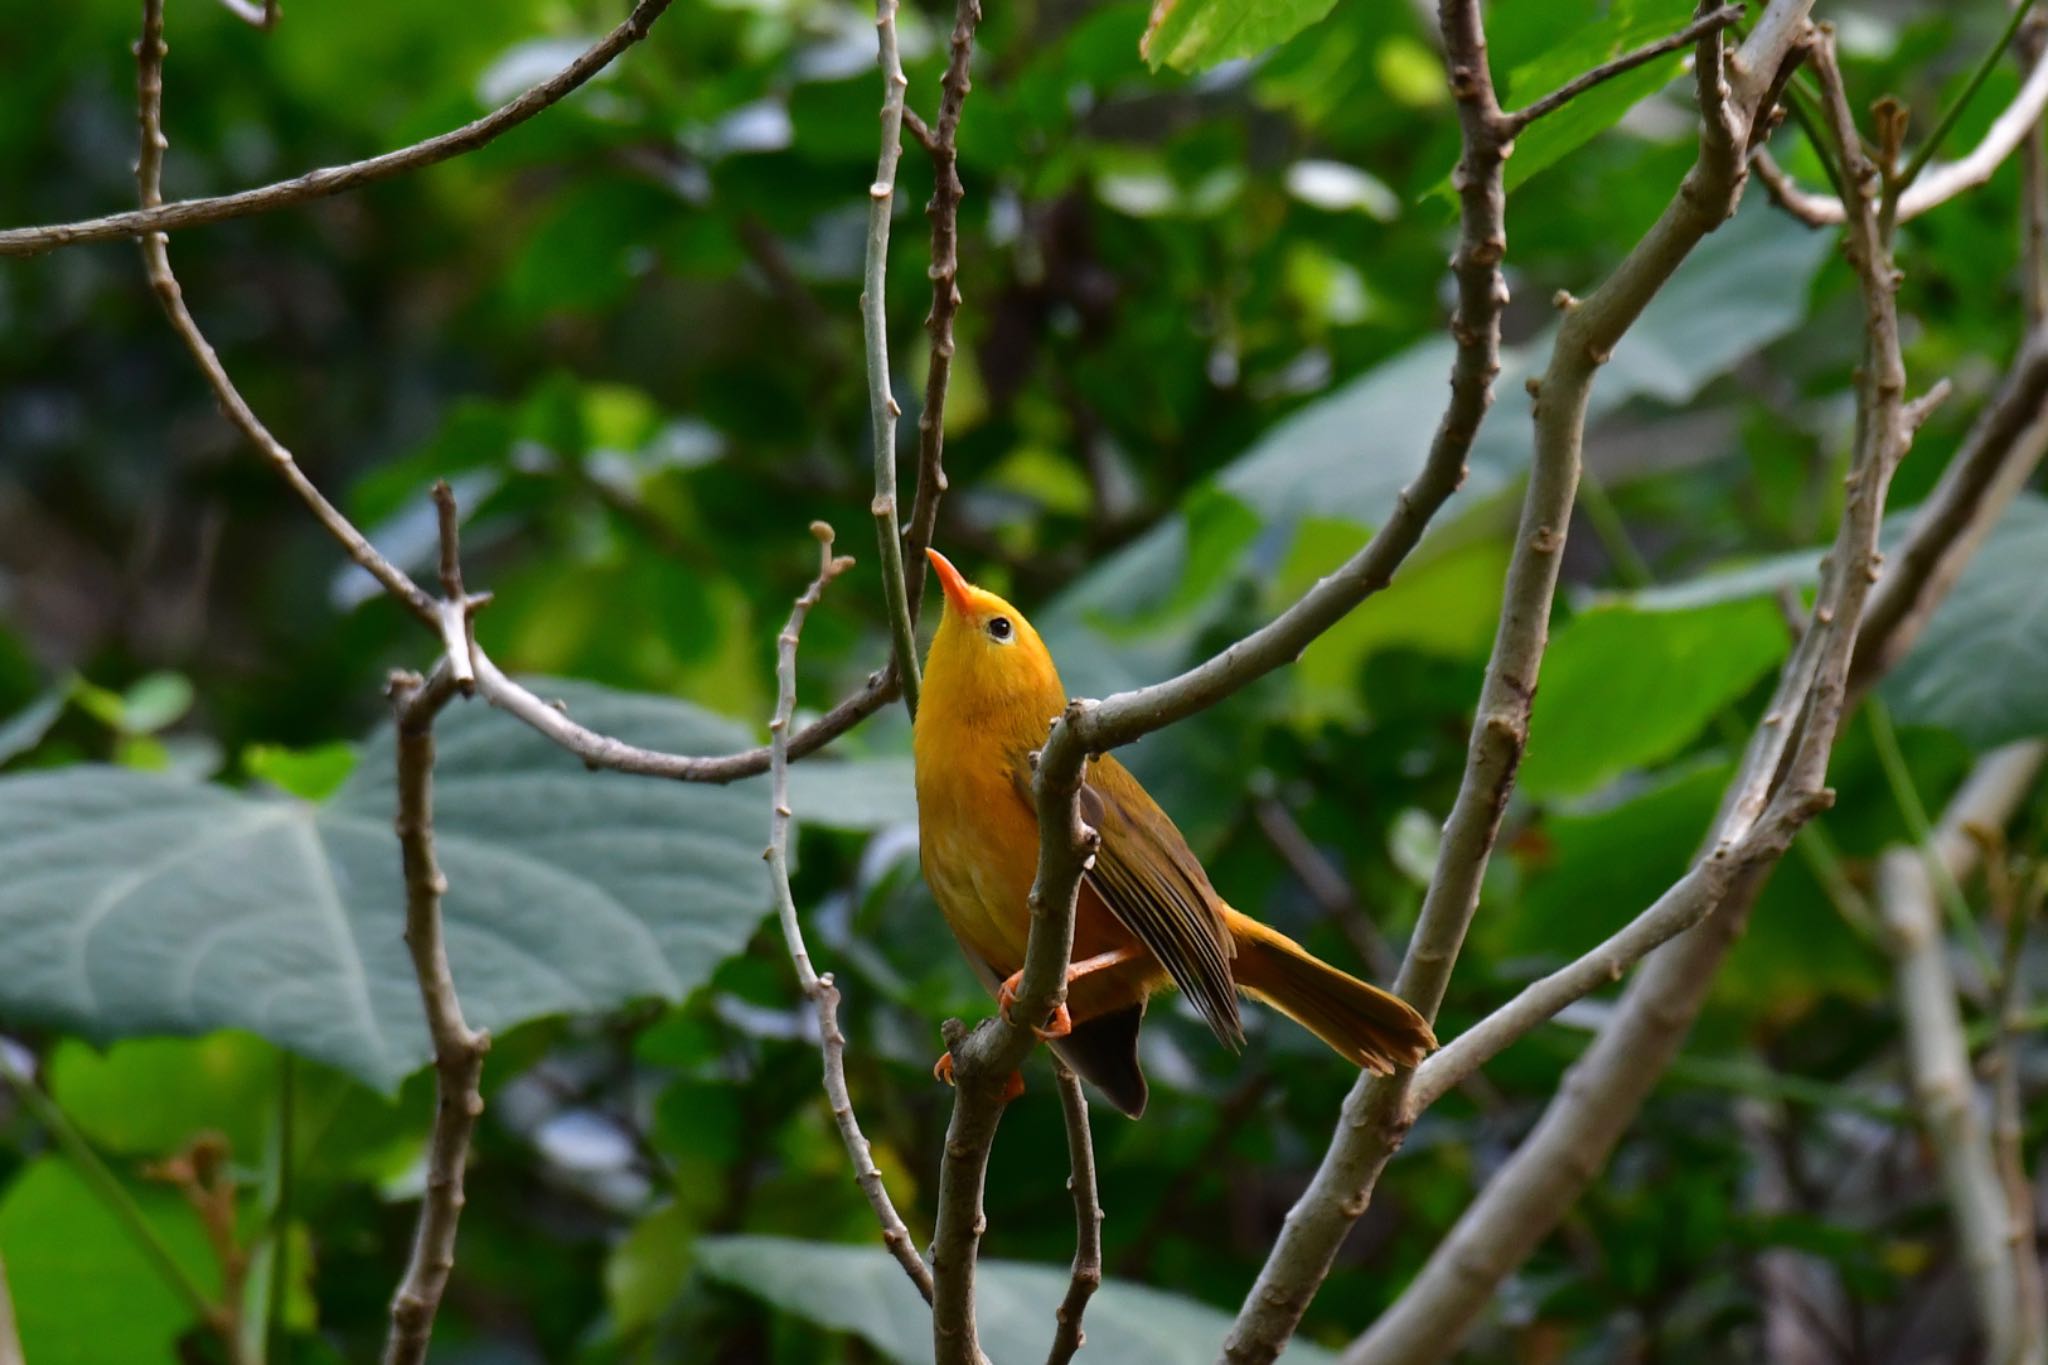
<point>1707,23</point>
<point>1946,122</point>
<point>819,989</point>
<point>2033,189</point>
<point>1936,184</point>
<point>874,312</point>
<point>1086,1277</point>
<point>449,622</point>
<point>942,141</point>
<point>458,1049</point>
<point>1996,459</point>
<point>336,179</point>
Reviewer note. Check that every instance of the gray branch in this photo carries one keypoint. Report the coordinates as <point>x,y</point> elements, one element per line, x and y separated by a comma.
<point>820,989</point>
<point>332,180</point>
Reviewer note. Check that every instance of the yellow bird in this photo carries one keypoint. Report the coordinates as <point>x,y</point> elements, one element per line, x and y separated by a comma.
<point>1147,918</point>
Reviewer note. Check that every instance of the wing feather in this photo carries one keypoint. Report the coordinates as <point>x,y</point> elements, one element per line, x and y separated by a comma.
<point>1153,883</point>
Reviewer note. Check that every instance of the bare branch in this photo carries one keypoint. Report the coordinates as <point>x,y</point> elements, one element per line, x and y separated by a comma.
<point>820,990</point>
<point>1814,210</point>
<point>1377,1114</point>
<point>1707,23</point>
<point>942,141</point>
<point>1995,461</point>
<point>1778,785</point>
<point>874,312</point>
<point>449,619</point>
<point>984,1060</point>
<point>458,1049</point>
<point>2018,905</point>
<point>1940,183</point>
<point>336,179</point>
<point>1087,1273</point>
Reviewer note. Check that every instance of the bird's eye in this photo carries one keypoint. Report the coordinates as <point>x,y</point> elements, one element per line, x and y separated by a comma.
<point>999,628</point>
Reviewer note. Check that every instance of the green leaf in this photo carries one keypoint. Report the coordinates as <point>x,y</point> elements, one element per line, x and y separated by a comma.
<point>1978,667</point>
<point>1590,872</point>
<point>149,1096</point>
<point>71,1263</point>
<point>1194,35</point>
<point>309,774</point>
<point>860,794</point>
<point>1624,688</point>
<point>569,891</point>
<point>1628,24</point>
<point>155,702</point>
<point>861,1290</point>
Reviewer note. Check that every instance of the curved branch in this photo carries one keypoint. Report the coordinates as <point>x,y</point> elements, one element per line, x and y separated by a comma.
<point>1939,183</point>
<point>820,990</point>
<point>332,180</point>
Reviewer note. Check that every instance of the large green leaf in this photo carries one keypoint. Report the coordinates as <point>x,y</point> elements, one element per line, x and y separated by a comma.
<point>1981,666</point>
<point>1349,454</point>
<point>1193,35</point>
<point>84,1292</point>
<point>863,1291</point>
<point>1625,688</point>
<point>138,904</point>
<point>1628,24</point>
<point>1977,667</point>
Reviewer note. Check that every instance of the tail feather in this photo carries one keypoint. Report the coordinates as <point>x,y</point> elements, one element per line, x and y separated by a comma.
<point>1372,1028</point>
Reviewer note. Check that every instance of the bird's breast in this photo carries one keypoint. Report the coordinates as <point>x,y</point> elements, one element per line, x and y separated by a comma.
<point>978,843</point>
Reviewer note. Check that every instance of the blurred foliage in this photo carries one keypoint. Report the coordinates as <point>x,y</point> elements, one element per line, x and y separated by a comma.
<point>1200,352</point>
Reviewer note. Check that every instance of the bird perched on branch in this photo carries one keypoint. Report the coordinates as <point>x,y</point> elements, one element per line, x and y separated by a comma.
<point>1147,918</point>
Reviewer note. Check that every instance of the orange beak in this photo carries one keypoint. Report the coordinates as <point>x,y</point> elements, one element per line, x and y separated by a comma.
<point>950,580</point>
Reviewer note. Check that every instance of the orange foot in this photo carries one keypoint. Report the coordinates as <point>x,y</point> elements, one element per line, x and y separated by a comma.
<point>1058,1025</point>
<point>942,1070</point>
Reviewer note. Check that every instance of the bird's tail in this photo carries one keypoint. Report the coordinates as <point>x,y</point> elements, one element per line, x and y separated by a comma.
<point>1376,1030</point>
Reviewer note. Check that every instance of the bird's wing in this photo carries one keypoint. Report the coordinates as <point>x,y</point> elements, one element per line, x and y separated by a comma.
<point>1151,881</point>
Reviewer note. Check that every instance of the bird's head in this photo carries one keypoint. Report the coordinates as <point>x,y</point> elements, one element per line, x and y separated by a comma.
<point>986,657</point>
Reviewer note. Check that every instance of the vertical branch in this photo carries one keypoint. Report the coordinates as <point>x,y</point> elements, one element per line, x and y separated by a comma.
<point>874,310</point>
<point>820,990</point>
<point>944,211</point>
<point>2033,195</point>
<point>1087,1272</point>
<point>458,1049</point>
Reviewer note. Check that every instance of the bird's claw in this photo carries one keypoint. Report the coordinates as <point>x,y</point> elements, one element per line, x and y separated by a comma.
<point>942,1070</point>
<point>1058,1024</point>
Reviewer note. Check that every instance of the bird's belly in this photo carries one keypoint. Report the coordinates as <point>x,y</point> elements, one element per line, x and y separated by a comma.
<point>982,888</point>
